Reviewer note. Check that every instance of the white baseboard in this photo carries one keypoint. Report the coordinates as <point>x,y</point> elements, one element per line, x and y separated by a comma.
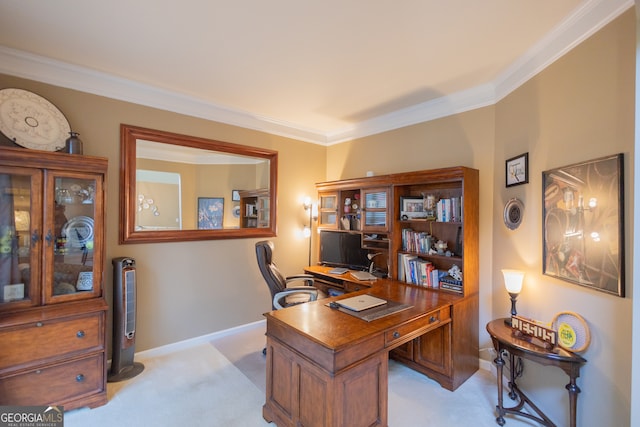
<point>180,345</point>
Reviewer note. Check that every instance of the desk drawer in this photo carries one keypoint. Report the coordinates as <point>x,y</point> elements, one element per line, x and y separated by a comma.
<point>54,384</point>
<point>38,341</point>
<point>408,331</point>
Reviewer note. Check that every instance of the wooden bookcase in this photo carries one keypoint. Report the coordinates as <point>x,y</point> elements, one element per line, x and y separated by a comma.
<point>448,354</point>
<point>254,208</point>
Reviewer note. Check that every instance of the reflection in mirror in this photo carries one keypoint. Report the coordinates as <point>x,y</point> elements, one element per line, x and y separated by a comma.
<point>176,187</point>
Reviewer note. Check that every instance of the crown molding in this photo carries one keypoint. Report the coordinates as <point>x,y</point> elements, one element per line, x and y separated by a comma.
<point>34,67</point>
<point>584,22</point>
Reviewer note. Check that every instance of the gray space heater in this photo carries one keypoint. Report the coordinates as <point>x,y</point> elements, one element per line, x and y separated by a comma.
<point>124,321</point>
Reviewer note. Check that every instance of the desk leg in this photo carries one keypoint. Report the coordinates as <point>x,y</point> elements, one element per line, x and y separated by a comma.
<point>499,361</point>
<point>573,389</point>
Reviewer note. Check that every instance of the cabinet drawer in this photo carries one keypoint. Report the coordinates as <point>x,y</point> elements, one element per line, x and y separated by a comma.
<point>42,340</point>
<point>403,333</point>
<point>54,384</point>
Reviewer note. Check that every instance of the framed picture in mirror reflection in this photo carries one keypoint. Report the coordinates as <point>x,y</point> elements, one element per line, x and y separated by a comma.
<point>210,213</point>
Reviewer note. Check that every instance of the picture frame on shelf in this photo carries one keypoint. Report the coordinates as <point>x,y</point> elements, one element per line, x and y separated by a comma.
<point>583,224</point>
<point>517,170</point>
<point>412,207</point>
<point>210,213</point>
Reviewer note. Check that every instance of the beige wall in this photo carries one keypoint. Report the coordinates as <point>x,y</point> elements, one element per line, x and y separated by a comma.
<point>579,108</point>
<point>191,289</point>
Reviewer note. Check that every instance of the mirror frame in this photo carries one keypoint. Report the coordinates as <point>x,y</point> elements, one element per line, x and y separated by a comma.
<point>128,201</point>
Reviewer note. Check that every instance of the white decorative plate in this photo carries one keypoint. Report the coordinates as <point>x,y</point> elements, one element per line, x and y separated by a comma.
<point>78,231</point>
<point>31,121</point>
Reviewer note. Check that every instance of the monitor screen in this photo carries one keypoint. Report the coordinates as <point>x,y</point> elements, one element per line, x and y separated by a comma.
<point>344,249</point>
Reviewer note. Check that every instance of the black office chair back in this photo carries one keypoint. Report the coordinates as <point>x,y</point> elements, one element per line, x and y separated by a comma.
<point>275,280</point>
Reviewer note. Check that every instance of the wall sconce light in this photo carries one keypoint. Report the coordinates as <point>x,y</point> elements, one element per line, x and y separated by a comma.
<point>513,284</point>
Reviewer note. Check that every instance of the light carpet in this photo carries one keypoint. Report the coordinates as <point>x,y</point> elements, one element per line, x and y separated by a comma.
<point>222,383</point>
<point>197,386</point>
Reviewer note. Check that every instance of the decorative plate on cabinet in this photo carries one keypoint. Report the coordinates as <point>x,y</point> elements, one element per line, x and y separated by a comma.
<point>78,231</point>
<point>31,121</point>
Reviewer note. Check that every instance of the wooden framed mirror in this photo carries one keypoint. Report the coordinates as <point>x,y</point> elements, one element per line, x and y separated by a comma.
<point>180,188</point>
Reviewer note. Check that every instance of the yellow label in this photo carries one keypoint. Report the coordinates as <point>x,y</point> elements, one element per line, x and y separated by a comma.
<point>566,335</point>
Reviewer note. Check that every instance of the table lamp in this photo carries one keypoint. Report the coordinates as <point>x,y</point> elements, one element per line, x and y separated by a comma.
<point>513,284</point>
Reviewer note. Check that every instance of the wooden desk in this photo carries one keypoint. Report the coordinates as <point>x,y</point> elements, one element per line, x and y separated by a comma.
<point>328,368</point>
<point>570,363</point>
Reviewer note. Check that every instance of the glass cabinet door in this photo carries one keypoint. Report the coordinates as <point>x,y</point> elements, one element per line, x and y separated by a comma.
<point>328,210</point>
<point>70,241</point>
<point>375,210</point>
<point>20,219</point>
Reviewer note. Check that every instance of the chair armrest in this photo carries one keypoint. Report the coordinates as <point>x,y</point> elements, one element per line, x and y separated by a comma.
<point>307,278</point>
<point>279,298</point>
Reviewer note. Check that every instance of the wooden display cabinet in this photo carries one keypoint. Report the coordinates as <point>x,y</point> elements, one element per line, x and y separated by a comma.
<point>52,307</point>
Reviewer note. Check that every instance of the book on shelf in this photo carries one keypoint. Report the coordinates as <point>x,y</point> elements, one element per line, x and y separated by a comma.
<point>418,271</point>
<point>416,241</point>
<point>449,283</point>
<point>449,210</point>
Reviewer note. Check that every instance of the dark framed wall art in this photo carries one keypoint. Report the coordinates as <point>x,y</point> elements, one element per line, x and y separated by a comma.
<point>583,224</point>
<point>517,170</point>
<point>210,212</point>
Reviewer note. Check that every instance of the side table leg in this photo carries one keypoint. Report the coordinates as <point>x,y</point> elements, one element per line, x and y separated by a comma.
<point>573,389</point>
<point>499,361</point>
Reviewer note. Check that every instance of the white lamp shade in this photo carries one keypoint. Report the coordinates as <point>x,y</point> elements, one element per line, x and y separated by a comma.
<point>513,280</point>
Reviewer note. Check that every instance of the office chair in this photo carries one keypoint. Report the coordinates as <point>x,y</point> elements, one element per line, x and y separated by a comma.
<point>283,296</point>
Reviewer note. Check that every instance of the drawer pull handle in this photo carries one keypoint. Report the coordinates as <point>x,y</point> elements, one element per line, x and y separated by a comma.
<point>396,334</point>
<point>38,372</point>
<point>357,288</point>
<point>39,324</point>
<point>80,334</point>
<point>79,378</point>
<point>433,319</point>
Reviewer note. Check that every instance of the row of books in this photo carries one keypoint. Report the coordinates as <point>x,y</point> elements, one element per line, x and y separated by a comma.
<point>416,241</point>
<point>449,210</point>
<point>417,271</point>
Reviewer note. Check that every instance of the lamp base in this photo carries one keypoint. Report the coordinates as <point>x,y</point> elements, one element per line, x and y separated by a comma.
<point>507,321</point>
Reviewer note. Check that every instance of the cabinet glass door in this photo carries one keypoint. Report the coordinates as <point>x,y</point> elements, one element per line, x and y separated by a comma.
<point>328,210</point>
<point>19,236</point>
<point>263,212</point>
<point>375,210</point>
<point>70,244</point>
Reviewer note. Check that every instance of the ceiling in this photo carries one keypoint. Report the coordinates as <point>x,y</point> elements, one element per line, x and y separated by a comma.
<point>320,71</point>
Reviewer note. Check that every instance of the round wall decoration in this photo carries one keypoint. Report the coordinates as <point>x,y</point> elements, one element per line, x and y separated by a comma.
<point>31,121</point>
<point>513,212</point>
<point>573,331</point>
